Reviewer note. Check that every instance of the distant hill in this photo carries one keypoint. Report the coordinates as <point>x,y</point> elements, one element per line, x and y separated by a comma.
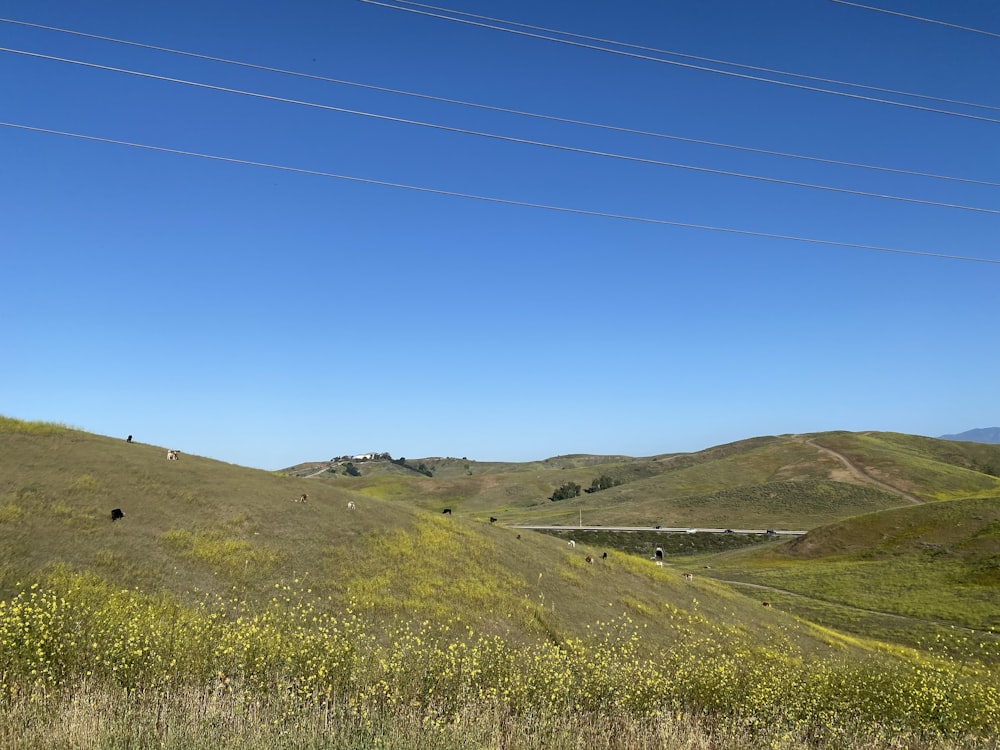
<point>787,481</point>
<point>981,435</point>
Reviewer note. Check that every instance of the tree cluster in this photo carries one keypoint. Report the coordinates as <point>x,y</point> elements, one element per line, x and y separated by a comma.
<point>568,490</point>
<point>422,468</point>
<point>603,482</point>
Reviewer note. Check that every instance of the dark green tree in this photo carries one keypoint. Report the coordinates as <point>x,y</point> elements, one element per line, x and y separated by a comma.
<point>568,490</point>
<point>603,482</point>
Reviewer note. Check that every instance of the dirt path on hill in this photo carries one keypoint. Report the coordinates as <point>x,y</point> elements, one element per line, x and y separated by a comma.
<point>908,618</point>
<point>863,476</point>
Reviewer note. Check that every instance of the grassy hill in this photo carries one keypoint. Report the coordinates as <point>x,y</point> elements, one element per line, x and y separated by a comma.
<point>217,586</point>
<point>196,525</point>
<point>924,576</point>
<point>791,481</point>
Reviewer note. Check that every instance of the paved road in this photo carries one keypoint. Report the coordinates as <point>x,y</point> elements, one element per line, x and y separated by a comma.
<point>664,529</point>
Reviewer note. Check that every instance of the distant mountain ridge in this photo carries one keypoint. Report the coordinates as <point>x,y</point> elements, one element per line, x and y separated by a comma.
<point>980,435</point>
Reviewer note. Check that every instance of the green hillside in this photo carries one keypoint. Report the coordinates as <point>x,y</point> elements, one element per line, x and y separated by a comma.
<point>791,481</point>
<point>915,575</point>
<point>366,602</point>
<point>931,469</point>
<point>198,525</point>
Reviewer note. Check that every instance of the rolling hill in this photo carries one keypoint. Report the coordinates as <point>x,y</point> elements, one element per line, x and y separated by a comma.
<point>790,481</point>
<point>368,592</point>
<point>912,575</point>
<point>196,525</point>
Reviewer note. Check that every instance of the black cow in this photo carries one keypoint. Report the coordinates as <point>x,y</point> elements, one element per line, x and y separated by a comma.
<point>446,511</point>
<point>116,514</point>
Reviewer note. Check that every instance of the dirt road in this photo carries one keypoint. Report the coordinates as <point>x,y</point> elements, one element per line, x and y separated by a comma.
<point>863,476</point>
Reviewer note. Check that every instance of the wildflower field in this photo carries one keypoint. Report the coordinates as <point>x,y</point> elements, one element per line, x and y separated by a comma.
<point>294,670</point>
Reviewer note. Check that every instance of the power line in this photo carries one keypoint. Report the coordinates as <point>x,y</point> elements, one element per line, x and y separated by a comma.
<point>918,18</point>
<point>504,138</point>
<point>507,110</point>
<point>687,56</point>
<point>698,67</point>
<point>504,201</point>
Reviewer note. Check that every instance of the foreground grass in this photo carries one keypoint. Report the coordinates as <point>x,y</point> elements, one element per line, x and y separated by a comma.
<point>208,719</point>
<point>99,667</point>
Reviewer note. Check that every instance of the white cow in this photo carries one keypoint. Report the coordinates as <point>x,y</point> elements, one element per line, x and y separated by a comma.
<point>351,506</point>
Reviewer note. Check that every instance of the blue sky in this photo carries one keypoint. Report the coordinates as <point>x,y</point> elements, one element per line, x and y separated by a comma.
<point>269,317</point>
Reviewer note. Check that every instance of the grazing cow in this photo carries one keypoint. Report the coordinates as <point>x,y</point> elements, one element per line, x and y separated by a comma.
<point>116,514</point>
<point>688,577</point>
<point>302,498</point>
<point>590,560</point>
<point>173,455</point>
<point>446,511</point>
<point>604,556</point>
<point>518,536</point>
<point>492,519</point>
<point>659,553</point>
<point>128,439</point>
<point>571,543</point>
<point>765,604</point>
<point>351,505</point>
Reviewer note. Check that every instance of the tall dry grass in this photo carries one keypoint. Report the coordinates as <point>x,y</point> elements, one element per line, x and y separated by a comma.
<point>89,716</point>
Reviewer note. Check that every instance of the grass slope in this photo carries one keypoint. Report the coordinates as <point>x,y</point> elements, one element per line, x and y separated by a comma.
<point>911,575</point>
<point>197,526</point>
<point>788,481</point>
<point>215,585</point>
<point>929,468</point>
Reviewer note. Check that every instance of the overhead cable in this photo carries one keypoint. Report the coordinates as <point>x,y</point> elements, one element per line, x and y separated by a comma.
<point>919,18</point>
<point>499,137</point>
<point>687,56</point>
<point>691,66</point>
<point>506,110</point>
<point>505,201</point>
